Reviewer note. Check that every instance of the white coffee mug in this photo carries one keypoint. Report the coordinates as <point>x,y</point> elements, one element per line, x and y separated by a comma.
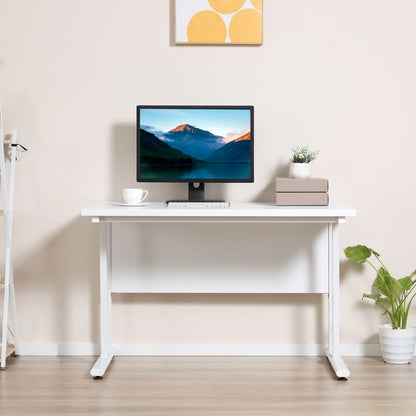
<point>133,196</point>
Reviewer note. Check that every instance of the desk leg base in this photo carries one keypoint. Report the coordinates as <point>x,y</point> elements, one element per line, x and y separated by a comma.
<point>338,365</point>
<point>101,365</point>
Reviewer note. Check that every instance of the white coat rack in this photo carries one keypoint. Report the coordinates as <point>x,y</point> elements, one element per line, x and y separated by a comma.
<point>7,284</point>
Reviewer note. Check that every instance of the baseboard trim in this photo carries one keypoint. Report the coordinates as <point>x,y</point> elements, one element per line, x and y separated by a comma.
<point>39,349</point>
<point>313,350</point>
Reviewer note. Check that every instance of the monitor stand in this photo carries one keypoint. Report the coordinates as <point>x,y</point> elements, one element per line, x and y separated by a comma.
<point>196,193</point>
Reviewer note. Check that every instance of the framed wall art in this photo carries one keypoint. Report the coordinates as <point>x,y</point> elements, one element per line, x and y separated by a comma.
<point>219,22</point>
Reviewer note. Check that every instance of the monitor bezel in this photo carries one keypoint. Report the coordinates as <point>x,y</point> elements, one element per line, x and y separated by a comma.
<point>199,107</point>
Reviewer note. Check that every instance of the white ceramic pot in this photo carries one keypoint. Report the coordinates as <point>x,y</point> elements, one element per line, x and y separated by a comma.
<point>397,345</point>
<point>300,170</point>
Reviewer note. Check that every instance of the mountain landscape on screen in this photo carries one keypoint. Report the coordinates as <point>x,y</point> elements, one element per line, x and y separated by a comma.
<point>236,151</point>
<point>189,152</point>
<point>154,150</point>
<point>193,141</point>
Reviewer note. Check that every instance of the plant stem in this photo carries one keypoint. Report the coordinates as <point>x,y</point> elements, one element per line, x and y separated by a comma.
<point>378,258</point>
<point>372,265</point>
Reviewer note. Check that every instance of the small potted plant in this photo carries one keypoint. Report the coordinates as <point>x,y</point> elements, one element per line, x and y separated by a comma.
<point>302,156</point>
<point>394,296</point>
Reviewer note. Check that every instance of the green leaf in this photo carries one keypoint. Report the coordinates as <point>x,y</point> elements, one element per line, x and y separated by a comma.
<point>375,252</point>
<point>372,296</point>
<point>358,254</point>
<point>396,286</point>
<point>384,283</point>
<point>406,283</point>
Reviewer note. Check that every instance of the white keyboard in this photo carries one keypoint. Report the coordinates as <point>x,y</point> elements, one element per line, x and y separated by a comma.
<point>197,204</point>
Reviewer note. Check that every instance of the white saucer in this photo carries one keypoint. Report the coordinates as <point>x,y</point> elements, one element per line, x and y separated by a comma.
<point>122,204</point>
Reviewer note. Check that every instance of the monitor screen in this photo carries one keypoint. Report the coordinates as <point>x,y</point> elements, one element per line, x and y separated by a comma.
<point>195,143</point>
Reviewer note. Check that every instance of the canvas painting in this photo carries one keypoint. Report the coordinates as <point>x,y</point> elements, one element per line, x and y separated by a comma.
<point>219,22</point>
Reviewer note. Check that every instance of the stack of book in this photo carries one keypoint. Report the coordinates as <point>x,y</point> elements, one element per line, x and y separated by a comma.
<point>310,191</point>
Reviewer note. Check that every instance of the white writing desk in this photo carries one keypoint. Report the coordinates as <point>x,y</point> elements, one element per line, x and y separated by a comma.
<point>329,216</point>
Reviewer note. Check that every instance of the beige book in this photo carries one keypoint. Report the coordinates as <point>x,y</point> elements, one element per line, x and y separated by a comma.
<point>302,198</point>
<point>302,185</point>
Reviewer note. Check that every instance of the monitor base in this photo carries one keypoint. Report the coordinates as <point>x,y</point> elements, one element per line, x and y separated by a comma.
<point>196,193</point>
<point>187,200</point>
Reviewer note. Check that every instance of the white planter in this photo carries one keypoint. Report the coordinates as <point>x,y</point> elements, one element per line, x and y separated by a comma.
<point>397,345</point>
<point>300,170</point>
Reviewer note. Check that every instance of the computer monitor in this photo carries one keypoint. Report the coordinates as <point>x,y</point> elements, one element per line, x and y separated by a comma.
<point>195,144</point>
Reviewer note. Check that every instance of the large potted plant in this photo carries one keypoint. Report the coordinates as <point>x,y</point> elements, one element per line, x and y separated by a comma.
<point>394,296</point>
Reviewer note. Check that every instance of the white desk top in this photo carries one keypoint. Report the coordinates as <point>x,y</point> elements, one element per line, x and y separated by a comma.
<point>238,209</point>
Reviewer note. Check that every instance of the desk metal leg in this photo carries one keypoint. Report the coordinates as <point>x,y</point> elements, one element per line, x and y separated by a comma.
<point>332,350</point>
<point>107,350</point>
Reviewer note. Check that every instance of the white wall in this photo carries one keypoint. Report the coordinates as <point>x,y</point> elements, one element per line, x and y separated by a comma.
<point>339,76</point>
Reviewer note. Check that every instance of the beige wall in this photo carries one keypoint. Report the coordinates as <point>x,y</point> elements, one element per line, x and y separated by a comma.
<point>337,75</point>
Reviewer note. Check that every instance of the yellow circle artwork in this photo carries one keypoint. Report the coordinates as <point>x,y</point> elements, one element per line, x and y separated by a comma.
<point>258,4</point>
<point>226,6</point>
<point>245,27</point>
<point>206,27</point>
